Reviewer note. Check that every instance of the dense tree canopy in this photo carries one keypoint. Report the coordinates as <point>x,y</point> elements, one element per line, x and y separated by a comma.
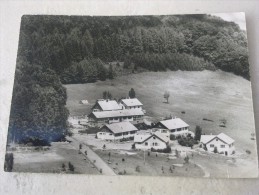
<point>72,49</point>
<point>62,42</point>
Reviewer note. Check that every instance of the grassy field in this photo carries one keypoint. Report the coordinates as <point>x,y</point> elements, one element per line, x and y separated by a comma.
<point>153,166</point>
<point>216,96</point>
<point>51,161</point>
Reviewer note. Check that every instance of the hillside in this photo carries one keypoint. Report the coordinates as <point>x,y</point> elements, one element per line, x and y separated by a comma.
<point>215,95</point>
<point>78,47</point>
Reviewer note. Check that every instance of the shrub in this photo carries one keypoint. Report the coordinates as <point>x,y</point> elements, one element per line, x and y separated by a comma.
<point>137,168</point>
<point>71,167</point>
<point>8,165</point>
<point>248,151</point>
<point>63,167</point>
<point>166,150</point>
<point>186,159</point>
<point>133,146</point>
<point>172,137</point>
<point>187,141</point>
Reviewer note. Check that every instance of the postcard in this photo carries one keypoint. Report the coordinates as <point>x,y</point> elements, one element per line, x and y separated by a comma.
<point>158,95</point>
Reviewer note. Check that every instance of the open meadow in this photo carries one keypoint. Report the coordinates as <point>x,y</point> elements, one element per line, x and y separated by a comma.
<point>217,96</point>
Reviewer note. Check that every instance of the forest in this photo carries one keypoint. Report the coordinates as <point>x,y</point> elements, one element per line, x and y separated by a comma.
<point>56,50</point>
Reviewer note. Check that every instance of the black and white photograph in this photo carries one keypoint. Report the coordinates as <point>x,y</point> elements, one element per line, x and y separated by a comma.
<point>146,95</point>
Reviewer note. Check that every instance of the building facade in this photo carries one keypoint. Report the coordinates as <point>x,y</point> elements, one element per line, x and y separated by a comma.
<point>146,141</point>
<point>221,143</point>
<point>117,131</point>
<point>176,126</point>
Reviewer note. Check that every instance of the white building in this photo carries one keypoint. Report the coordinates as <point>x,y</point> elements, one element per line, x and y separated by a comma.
<point>146,141</point>
<point>106,105</point>
<point>176,126</point>
<point>133,115</point>
<point>222,143</point>
<point>117,131</point>
<point>133,103</point>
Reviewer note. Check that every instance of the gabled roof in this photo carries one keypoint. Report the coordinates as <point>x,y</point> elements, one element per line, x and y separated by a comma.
<point>118,113</point>
<point>206,138</point>
<point>142,137</point>
<point>222,136</point>
<point>121,127</point>
<point>174,123</point>
<point>109,105</point>
<point>225,138</point>
<point>132,102</point>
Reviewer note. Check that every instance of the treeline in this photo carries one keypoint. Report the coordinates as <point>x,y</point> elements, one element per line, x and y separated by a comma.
<point>171,61</point>
<point>59,42</point>
<point>76,49</point>
<point>87,71</point>
<point>38,113</point>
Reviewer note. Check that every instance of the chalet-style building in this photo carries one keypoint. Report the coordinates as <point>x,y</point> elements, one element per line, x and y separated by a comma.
<point>146,141</point>
<point>117,131</point>
<point>106,105</point>
<point>221,143</point>
<point>133,103</point>
<point>131,115</point>
<point>176,126</point>
<point>110,111</point>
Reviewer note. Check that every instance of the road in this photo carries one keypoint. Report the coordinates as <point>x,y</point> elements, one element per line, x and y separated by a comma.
<point>92,156</point>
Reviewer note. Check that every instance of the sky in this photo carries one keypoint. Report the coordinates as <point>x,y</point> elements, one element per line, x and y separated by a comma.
<point>238,18</point>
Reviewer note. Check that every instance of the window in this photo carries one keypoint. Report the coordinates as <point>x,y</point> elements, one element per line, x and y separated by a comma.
<point>173,130</point>
<point>217,139</point>
<point>116,118</point>
<point>154,137</point>
<point>125,133</point>
<point>146,144</point>
<point>212,145</point>
<point>222,146</point>
<point>110,134</point>
<point>179,129</point>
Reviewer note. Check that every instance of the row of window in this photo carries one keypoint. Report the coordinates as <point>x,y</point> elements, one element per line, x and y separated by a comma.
<point>125,133</point>
<point>212,146</point>
<point>179,129</point>
<point>153,144</point>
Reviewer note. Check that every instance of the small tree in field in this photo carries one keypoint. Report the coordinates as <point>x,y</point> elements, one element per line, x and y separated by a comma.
<point>198,132</point>
<point>215,150</point>
<point>166,96</point>
<point>71,167</point>
<point>186,159</point>
<point>132,93</point>
<point>8,165</point>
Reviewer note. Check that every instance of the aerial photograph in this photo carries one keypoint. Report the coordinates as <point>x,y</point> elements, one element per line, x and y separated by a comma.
<point>158,95</point>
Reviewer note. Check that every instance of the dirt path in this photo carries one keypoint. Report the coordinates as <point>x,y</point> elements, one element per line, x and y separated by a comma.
<point>92,156</point>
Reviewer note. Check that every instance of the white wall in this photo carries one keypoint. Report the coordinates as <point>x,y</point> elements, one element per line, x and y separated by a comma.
<point>218,145</point>
<point>161,145</point>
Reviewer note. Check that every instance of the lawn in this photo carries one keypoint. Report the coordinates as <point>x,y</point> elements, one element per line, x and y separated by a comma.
<point>132,163</point>
<point>51,161</point>
<point>216,96</point>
